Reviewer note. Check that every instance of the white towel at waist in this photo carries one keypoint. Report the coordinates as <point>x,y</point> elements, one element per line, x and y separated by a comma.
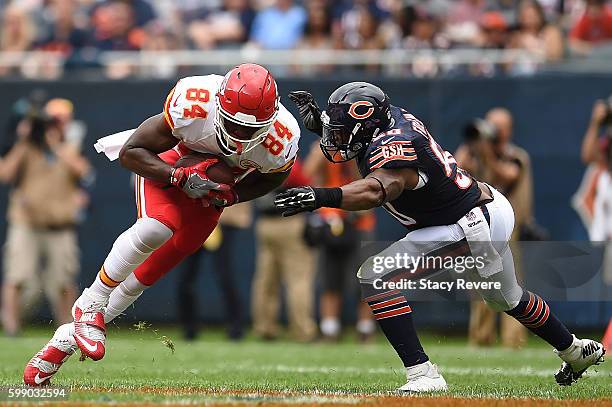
<point>111,145</point>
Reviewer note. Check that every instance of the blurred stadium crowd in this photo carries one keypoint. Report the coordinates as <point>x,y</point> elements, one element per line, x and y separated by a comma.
<point>80,31</point>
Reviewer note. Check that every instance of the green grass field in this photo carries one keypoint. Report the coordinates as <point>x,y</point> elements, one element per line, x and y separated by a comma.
<point>141,367</point>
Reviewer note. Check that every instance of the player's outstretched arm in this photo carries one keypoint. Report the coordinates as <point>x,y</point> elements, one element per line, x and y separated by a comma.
<point>256,184</point>
<point>377,188</point>
<point>139,153</point>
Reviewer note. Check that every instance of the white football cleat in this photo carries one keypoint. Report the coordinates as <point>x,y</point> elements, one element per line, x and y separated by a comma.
<point>89,326</point>
<point>423,378</point>
<point>49,359</point>
<point>581,354</point>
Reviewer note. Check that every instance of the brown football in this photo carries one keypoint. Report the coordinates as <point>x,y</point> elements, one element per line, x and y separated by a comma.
<point>219,172</point>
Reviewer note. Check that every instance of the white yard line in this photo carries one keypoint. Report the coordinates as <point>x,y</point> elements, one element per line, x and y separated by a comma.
<point>453,370</point>
<point>456,370</point>
<point>443,369</point>
<point>270,399</point>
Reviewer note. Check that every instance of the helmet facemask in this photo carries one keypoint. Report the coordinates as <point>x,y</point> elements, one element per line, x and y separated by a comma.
<point>338,143</point>
<point>238,135</point>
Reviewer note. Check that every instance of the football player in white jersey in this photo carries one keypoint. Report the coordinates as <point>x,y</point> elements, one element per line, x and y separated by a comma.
<point>238,118</point>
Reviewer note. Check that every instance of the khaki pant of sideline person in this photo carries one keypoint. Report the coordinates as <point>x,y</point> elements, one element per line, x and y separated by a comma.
<point>283,259</point>
<point>24,252</point>
<point>483,320</point>
<point>483,327</point>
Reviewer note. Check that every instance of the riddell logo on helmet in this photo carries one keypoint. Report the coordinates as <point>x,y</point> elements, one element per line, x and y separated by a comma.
<point>353,110</point>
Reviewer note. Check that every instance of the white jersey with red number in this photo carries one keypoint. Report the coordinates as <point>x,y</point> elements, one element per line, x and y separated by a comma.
<point>190,111</point>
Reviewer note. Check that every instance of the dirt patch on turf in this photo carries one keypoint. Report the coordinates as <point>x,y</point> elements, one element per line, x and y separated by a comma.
<point>231,397</point>
<point>464,402</point>
<point>373,402</point>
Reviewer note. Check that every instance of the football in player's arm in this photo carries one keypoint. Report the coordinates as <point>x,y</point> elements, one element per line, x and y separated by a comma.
<point>140,154</point>
<point>245,126</point>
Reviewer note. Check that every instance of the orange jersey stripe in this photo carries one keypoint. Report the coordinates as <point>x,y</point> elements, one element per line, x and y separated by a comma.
<point>137,189</point>
<point>386,160</point>
<point>381,154</point>
<point>283,168</point>
<point>167,114</point>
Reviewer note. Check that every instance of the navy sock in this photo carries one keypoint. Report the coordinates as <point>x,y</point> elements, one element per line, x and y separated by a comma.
<point>393,314</point>
<point>533,312</point>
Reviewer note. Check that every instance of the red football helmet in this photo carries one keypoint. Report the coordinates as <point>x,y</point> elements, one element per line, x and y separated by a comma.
<point>247,104</point>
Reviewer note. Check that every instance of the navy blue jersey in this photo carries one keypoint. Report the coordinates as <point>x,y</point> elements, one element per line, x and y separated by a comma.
<point>445,192</point>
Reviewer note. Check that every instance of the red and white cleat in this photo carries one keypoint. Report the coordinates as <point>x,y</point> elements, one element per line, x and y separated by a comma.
<point>49,359</point>
<point>89,326</point>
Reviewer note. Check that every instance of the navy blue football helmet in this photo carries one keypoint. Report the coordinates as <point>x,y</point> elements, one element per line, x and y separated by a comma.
<point>356,112</point>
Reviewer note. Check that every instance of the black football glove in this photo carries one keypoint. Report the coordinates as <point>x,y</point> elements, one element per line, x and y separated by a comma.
<point>296,200</point>
<point>309,110</point>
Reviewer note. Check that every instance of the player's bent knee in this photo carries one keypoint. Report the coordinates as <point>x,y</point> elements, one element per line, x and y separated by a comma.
<point>187,241</point>
<point>366,271</point>
<point>149,234</point>
<point>501,303</point>
<point>497,305</point>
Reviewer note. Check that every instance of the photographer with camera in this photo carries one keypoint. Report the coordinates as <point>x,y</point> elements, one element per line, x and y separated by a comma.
<point>593,190</point>
<point>595,193</point>
<point>597,151</point>
<point>594,197</point>
<point>489,154</point>
<point>44,171</point>
<point>596,139</point>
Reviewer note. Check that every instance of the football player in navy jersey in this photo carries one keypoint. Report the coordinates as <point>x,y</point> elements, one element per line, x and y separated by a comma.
<point>446,211</point>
